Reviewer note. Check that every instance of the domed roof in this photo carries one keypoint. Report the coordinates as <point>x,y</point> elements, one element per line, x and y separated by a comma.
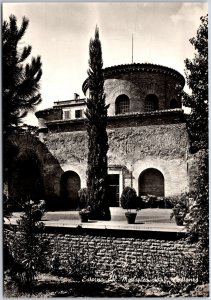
<point>140,68</point>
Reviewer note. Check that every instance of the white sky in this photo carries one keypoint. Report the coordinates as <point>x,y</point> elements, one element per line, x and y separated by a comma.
<point>60,33</point>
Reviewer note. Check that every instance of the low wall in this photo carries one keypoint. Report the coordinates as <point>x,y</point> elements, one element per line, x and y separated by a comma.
<point>118,254</point>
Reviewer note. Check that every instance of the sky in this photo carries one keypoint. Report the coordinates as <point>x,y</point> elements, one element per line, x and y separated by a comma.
<point>60,34</point>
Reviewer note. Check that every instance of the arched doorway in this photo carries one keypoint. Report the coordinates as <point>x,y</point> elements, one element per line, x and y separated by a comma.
<point>70,185</point>
<point>151,182</point>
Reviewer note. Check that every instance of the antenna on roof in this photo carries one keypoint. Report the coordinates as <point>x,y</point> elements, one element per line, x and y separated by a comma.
<point>132,48</point>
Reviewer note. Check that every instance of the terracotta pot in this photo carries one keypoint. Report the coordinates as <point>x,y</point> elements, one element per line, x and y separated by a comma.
<point>84,217</point>
<point>131,217</point>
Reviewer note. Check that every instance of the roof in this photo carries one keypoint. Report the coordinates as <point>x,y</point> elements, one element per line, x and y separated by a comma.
<point>138,67</point>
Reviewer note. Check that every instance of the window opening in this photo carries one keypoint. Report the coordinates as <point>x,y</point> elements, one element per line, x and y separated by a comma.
<point>66,114</point>
<point>122,104</point>
<point>78,113</point>
<point>151,103</point>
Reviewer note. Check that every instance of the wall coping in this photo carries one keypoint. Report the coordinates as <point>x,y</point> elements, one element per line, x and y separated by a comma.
<point>110,226</point>
<point>170,116</point>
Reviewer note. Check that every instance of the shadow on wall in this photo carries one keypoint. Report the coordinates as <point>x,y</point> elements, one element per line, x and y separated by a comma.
<point>34,172</point>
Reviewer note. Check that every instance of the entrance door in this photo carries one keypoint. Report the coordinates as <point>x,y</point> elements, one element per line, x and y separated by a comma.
<point>113,190</point>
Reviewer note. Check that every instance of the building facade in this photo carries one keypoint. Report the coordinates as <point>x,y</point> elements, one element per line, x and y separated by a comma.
<point>147,134</point>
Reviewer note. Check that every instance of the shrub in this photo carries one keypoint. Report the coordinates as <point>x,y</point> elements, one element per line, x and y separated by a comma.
<point>128,198</point>
<point>82,263</point>
<point>26,248</point>
<point>180,207</point>
<point>83,198</point>
<point>152,201</point>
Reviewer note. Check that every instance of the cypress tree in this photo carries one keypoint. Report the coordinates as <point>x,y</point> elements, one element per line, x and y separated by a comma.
<point>96,123</point>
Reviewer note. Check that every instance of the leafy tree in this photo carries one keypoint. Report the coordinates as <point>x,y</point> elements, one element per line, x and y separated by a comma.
<point>197,122</point>
<point>20,83</point>
<point>197,221</point>
<point>197,80</point>
<point>96,114</point>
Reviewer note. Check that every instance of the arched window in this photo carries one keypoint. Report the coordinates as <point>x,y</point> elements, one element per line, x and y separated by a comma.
<point>151,182</point>
<point>174,104</point>
<point>122,104</point>
<point>70,185</point>
<point>151,102</point>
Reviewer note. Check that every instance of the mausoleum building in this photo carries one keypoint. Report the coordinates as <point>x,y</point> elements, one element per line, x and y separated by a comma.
<point>148,141</point>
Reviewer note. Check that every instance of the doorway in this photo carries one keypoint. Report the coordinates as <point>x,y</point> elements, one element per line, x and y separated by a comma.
<point>113,190</point>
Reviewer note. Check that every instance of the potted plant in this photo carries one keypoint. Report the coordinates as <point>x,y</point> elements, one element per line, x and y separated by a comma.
<point>128,201</point>
<point>83,198</point>
<point>180,207</point>
<point>83,205</point>
<point>84,214</point>
<point>179,211</point>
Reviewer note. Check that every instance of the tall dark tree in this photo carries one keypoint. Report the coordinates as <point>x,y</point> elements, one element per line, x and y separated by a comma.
<point>96,114</point>
<point>197,80</point>
<point>20,82</point>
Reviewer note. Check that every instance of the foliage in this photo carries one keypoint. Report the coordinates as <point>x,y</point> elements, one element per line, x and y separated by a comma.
<point>26,248</point>
<point>152,201</point>
<point>128,198</point>
<point>83,198</point>
<point>20,83</point>
<point>180,208</point>
<point>85,211</point>
<point>197,80</point>
<point>198,218</point>
<point>81,263</point>
<point>96,123</point>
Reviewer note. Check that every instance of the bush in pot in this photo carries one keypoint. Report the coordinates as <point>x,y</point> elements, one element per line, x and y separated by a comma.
<point>83,205</point>
<point>83,198</point>
<point>128,201</point>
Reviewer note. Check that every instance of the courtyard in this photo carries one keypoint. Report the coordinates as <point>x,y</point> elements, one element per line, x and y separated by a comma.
<point>149,219</point>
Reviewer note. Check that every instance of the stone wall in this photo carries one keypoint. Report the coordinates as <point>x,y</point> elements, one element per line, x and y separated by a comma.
<point>50,169</point>
<point>162,147</point>
<point>154,255</point>
<point>131,151</point>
